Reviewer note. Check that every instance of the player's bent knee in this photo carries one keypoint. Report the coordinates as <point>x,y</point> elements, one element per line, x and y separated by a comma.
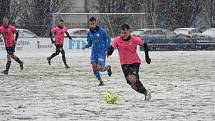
<point>13,56</point>
<point>57,53</point>
<point>133,86</point>
<point>132,79</point>
<point>10,54</point>
<point>94,66</point>
<point>100,68</point>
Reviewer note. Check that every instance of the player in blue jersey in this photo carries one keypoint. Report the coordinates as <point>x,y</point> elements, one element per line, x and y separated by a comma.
<point>97,38</point>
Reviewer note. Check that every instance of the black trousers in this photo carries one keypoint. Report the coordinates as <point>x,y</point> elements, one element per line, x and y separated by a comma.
<point>59,49</point>
<point>133,69</point>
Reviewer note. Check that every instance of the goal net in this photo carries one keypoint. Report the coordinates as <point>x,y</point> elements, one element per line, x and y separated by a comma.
<point>110,21</point>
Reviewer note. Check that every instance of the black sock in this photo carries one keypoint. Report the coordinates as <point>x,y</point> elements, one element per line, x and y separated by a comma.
<point>140,88</point>
<point>64,59</point>
<point>18,60</point>
<point>8,65</point>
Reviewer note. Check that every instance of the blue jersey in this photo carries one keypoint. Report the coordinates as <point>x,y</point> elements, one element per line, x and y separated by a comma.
<point>99,41</point>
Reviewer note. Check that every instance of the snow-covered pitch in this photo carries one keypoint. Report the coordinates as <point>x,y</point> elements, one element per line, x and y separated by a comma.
<point>182,85</point>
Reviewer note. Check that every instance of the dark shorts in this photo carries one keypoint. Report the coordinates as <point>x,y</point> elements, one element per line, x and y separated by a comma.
<point>59,48</point>
<point>10,50</point>
<point>131,69</point>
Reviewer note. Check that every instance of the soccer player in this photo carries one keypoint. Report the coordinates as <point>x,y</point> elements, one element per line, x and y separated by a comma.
<point>97,38</point>
<point>129,59</point>
<point>8,32</point>
<point>59,40</point>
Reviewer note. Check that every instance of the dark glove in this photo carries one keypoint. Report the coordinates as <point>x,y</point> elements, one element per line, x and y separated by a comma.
<point>110,50</point>
<point>52,40</point>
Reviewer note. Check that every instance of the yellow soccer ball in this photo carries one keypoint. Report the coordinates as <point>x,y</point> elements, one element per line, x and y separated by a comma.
<point>110,97</point>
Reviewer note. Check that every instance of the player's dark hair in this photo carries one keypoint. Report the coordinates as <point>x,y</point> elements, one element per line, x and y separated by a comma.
<point>61,20</point>
<point>92,19</point>
<point>125,26</point>
<point>5,17</point>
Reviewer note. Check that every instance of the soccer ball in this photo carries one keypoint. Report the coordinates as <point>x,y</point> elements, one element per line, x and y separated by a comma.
<point>110,97</point>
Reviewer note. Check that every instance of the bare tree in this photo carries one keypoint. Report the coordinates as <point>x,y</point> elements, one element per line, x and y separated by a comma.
<point>181,13</point>
<point>121,6</point>
<point>36,15</point>
<point>4,9</point>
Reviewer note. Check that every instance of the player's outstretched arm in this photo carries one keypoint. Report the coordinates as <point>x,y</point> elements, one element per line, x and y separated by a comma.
<point>1,40</point>
<point>89,42</point>
<point>50,35</point>
<point>17,35</point>
<point>146,50</point>
<point>67,34</point>
<point>110,50</point>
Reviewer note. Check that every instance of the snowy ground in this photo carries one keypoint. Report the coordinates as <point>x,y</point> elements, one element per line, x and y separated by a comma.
<point>182,85</point>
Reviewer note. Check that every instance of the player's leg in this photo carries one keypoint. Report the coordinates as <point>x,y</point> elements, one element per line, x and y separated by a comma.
<point>97,74</point>
<point>139,85</point>
<point>101,66</point>
<point>9,52</point>
<point>131,73</point>
<point>125,70</point>
<point>133,77</point>
<point>94,61</point>
<point>15,57</point>
<point>64,58</point>
<point>7,65</point>
<point>17,60</point>
<point>95,71</point>
<point>54,54</point>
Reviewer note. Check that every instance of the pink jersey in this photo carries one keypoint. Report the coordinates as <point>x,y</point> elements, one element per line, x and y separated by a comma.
<point>59,34</point>
<point>8,35</point>
<point>127,49</point>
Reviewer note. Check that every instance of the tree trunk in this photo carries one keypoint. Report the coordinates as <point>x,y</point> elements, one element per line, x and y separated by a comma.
<point>4,9</point>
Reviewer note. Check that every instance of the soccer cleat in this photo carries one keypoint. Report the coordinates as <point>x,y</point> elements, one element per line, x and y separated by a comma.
<point>109,71</point>
<point>5,72</point>
<point>49,61</point>
<point>67,67</point>
<point>101,83</point>
<point>148,95</point>
<point>21,65</point>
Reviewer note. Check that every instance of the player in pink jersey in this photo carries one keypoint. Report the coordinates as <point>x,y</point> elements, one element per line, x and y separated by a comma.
<point>59,40</point>
<point>8,32</point>
<point>129,59</point>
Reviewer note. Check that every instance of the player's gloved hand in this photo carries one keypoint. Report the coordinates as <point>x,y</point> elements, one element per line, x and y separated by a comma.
<point>70,38</point>
<point>52,40</point>
<point>148,60</point>
<point>108,56</point>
